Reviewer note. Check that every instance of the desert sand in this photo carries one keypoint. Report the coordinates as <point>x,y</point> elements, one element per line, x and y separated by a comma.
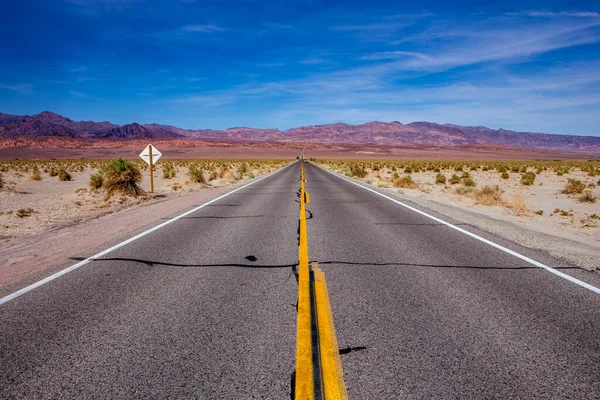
<point>291,150</point>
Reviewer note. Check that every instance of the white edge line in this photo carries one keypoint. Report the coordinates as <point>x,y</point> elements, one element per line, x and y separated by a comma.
<point>474,236</point>
<point>65,271</point>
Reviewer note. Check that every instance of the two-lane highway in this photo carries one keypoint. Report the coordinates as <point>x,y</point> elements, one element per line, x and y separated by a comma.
<point>205,307</point>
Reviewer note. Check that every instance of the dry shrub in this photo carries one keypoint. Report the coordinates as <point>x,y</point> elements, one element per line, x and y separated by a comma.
<point>121,176</point>
<point>468,182</point>
<point>35,174</point>
<point>357,171</point>
<point>195,174</point>
<point>96,180</point>
<point>465,190</point>
<point>518,204</point>
<point>1,181</point>
<point>24,212</point>
<point>454,179</point>
<point>405,182</point>
<point>64,176</point>
<point>489,195</point>
<point>588,197</point>
<point>574,186</point>
<point>169,170</point>
<point>528,178</point>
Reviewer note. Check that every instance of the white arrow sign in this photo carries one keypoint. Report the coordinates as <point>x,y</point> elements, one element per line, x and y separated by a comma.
<point>145,155</point>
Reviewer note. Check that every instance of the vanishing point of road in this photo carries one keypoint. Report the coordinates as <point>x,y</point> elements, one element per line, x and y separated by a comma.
<point>205,307</point>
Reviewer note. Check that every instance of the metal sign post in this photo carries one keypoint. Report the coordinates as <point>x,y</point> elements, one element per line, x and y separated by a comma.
<point>151,155</point>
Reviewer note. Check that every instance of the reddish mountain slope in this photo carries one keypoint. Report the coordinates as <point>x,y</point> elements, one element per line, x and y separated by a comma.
<point>47,124</point>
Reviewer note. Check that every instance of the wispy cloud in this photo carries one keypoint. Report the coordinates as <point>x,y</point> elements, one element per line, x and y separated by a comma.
<point>385,23</point>
<point>87,2</point>
<point>92,7</point>
<point>578,14</point>
<point>313,61</point>
<point>81,68</point>
<point>496,40</point>
<point>21,88</point>
<point>207,28</point>
<point>386,26</point>
<point>85,79</point>
<point>391,55</point>
<point>271,64</point>
<point>80,95</point>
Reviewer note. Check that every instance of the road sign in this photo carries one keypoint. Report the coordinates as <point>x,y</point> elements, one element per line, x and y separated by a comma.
<point>151,156</point>
<point>145,155</point>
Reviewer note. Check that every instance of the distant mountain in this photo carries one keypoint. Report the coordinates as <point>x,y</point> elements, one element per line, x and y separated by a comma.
<point>136,131</point>
<point>47,124</point>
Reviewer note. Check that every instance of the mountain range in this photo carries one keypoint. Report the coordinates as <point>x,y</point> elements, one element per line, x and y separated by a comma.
<point>59,131</point>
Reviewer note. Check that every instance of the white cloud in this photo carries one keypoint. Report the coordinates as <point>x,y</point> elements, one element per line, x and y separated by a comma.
<point>580,14</point>
<point>312,61</point>
<point>97,7</point>
<point>208,28</point>
<point>390,55</point>
<point>79,94</point>
<point>20,88</point>
<point>81,68</point>
<point>88,2</point>
<point>497,40</point>
<point>271,64</point>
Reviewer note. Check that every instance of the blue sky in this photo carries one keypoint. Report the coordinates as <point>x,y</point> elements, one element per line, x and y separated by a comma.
<point>522,65</point>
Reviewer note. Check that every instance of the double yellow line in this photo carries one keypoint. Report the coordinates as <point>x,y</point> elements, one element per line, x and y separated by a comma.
<point>319,372</point>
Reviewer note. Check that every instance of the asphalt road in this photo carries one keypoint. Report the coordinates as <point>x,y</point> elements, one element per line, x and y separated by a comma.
<point>205,308</point>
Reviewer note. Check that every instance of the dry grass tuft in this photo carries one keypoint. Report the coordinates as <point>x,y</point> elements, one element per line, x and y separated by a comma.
<point>518,205</point>
<point>440,178</point>
<point>574,186</point>
<point>24,212</point>
<point>405,182</point>
<point>588,197</point>
<point>36,175</point>
<point>195,174</point>
<point>169,170</point>
<point>528,178</point>
<point>465,190</point>
<point>355,170</point>
<point>96,180</point>
<point>489,196</point>
<point>64,176</point>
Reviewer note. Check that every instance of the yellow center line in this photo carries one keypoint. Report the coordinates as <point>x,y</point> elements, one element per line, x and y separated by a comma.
<point>331,365</point>
<point>304,387</point>
<point>329,362</point>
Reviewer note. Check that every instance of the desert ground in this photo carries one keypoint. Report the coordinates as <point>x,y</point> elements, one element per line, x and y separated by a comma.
<point>291,150</point>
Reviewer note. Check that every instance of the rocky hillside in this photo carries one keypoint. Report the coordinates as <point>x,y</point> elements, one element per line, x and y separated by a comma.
<point>47,124</point>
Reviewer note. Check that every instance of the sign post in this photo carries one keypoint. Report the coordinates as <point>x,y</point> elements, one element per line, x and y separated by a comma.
<point>151,155</point>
